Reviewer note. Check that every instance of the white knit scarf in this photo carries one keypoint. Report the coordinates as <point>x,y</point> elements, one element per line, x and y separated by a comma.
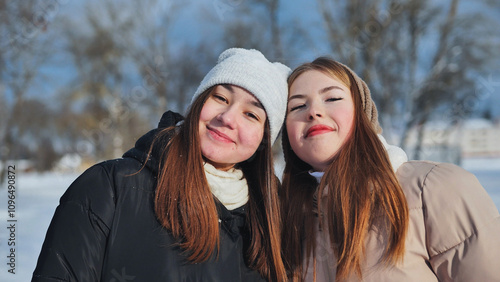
<point>229,187</point>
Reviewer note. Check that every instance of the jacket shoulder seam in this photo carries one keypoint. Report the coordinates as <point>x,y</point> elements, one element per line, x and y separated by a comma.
<point>424,184</point>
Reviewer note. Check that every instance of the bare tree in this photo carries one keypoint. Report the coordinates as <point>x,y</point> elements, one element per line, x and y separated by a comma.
<point>100,58</point>
<point>463,52</point>
<point>22,52</point>
<point>129,71</point>
<point>251,24</point>
<point>150,50</point>
<point>272,7</point>
<point>427,97</point>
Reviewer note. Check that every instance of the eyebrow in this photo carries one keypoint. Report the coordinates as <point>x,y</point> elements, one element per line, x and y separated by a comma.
<point>256,103</point>
<point>321,91</point>
<point>326,89</point>
<point>228,87</point>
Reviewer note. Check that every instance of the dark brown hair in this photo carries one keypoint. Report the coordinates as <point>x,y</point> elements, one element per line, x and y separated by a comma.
<point>361,191</point>
<point>185,205</point>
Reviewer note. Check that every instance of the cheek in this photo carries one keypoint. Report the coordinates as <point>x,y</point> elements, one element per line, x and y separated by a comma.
<point>349,121</point>
<point>344,117</point>
<point>293,130</point>
<point>252,135</point>
<point>205,112</point>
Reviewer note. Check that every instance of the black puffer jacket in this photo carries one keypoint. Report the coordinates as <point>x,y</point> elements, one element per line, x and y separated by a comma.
<point>105,229</point>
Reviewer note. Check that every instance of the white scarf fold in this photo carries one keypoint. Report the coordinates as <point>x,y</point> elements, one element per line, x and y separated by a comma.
<point>396,156</point>
<point>229,187</point>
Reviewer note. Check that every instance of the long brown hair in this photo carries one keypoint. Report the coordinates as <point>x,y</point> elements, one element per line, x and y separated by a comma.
<point>185,205</point>
<point>361,191</point>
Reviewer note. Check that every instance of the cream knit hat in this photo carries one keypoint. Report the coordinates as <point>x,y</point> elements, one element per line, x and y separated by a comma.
<point>249,69</point>
<point>366,100</point>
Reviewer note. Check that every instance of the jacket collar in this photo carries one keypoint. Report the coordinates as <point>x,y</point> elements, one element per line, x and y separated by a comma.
<point>143,144</point>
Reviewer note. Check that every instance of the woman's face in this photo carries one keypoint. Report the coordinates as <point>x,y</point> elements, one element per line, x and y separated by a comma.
<point>231,126</point>
<point>320,116</point>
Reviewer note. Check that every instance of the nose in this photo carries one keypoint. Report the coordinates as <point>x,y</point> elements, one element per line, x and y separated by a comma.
<point>228,117</point>
<point>315,112</point>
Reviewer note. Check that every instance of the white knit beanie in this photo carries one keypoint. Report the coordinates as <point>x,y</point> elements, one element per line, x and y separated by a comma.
<point>249,69</point>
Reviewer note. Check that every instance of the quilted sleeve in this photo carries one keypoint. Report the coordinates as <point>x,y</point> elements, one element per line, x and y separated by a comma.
<point>462,226</point>
<point>75,242</point>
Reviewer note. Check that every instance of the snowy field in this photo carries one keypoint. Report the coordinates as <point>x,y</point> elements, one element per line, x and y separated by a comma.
<point>38,195</point>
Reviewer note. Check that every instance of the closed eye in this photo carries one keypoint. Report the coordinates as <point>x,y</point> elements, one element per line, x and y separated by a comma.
<point>252,115</point>
<point>220,98</point>
<point>297,107</point>
<point>333,99</point>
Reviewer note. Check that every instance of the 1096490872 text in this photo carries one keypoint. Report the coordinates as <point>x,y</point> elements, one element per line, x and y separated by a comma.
<point>12,220</point>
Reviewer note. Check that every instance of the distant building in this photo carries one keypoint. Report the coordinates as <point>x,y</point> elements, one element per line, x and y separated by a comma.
<point>481,138</point>
<point>474,138</point>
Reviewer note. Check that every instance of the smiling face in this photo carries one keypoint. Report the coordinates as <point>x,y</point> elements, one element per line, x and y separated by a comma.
<point>320,117</point>
<point>231,126</point>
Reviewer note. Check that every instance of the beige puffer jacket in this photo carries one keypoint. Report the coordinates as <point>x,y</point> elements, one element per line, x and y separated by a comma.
<point>454,231</point>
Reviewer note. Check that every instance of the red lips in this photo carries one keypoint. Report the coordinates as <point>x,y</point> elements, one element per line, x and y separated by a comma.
<point>318,129</point>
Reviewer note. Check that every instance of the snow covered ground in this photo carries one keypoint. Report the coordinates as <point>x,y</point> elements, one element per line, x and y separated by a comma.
<point>36,199</point>
<point>38,195</point>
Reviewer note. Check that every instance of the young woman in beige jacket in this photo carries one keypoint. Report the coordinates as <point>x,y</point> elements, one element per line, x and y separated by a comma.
<point>354,208</point>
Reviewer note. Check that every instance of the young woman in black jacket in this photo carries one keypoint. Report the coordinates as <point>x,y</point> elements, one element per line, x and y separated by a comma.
<point>195,200</point>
